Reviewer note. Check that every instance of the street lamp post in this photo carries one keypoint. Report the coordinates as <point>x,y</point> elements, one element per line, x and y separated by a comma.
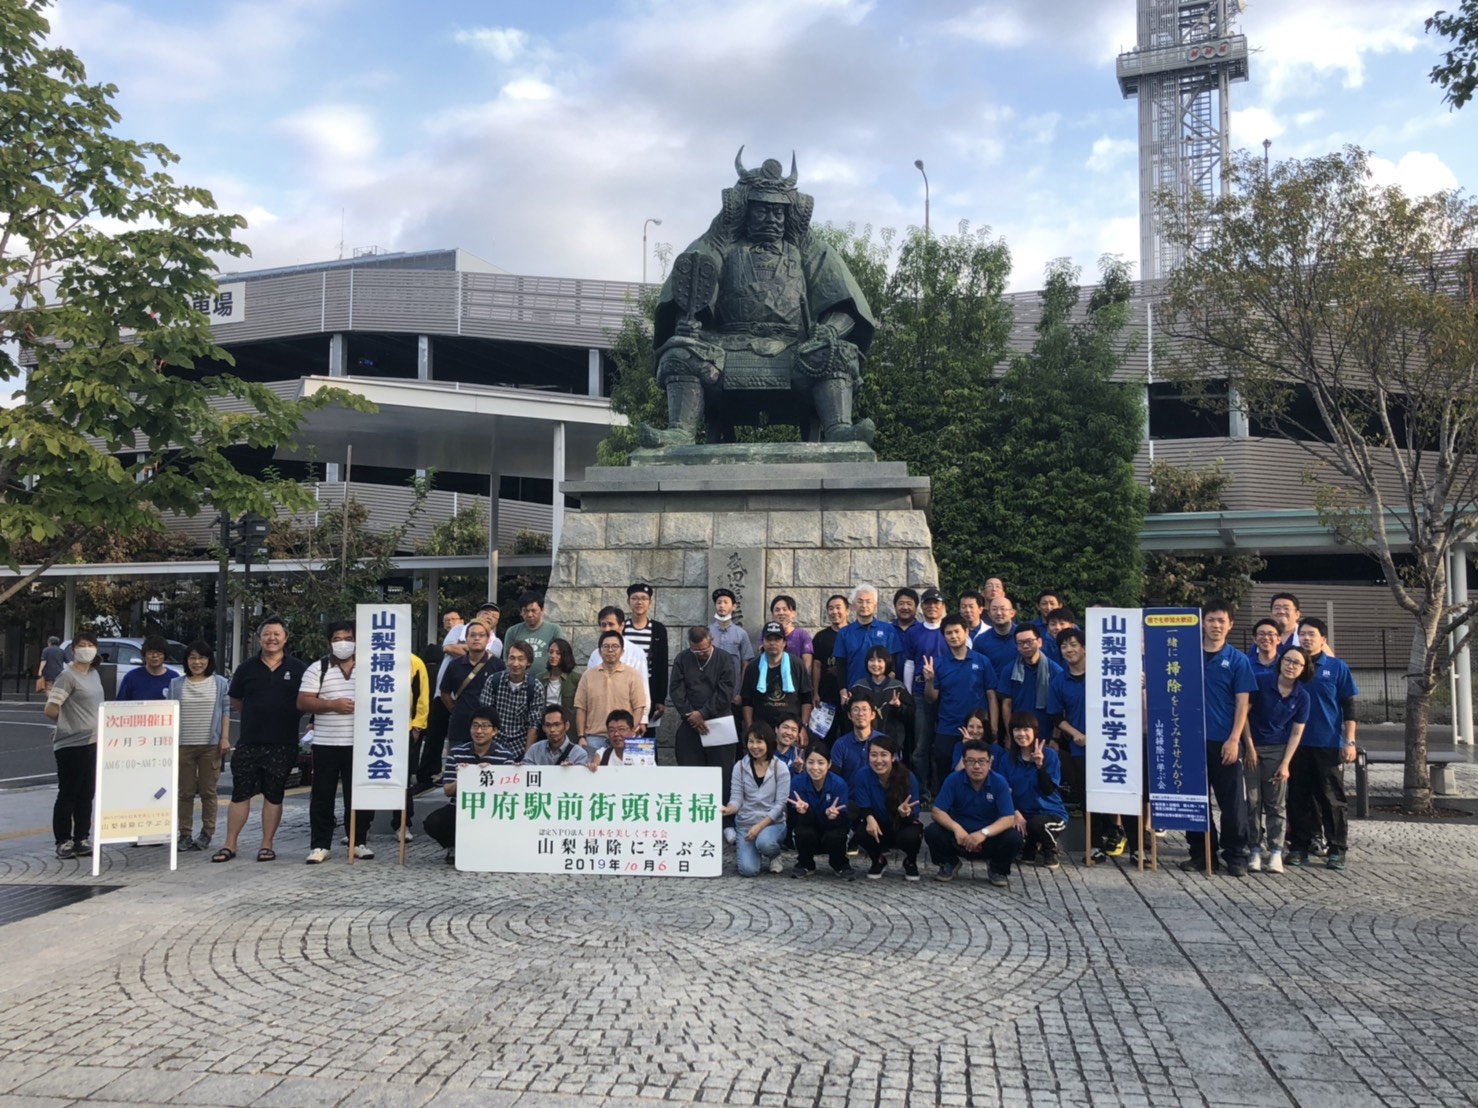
<point>918,164</point>
<point>644,226</point>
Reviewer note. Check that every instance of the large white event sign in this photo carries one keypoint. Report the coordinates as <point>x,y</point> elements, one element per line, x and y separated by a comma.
<point>382,706</point>
<point>1114,714</point>
<point>137,773</point>
<point>642,821</point>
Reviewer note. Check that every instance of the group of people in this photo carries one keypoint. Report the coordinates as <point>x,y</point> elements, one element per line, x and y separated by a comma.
<point>845,737</point>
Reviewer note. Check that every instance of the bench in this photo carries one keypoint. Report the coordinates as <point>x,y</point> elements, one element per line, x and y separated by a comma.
<point>1439,764</point>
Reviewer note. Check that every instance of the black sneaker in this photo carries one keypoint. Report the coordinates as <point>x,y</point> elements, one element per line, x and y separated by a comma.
<point>876,870</point>
<point>1098,856</point>
<point>947,871</point>
<point>1236,869</point>
<point>66,849</point>
<point>802,871</point>
<point>846,873</point>
<point>910,870</point>
<point>1048,860</point>
<point>1114,842</point>
<point>999,880</point>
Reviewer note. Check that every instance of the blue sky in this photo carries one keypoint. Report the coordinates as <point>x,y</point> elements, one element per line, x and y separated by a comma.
<point>540,135</point>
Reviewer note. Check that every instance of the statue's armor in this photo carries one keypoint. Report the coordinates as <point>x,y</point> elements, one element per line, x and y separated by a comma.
<point>761,294</point>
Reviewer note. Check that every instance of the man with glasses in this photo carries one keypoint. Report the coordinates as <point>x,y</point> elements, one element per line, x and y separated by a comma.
<point>557,749</point>
<point>1265,648</point>
<point>975,817</point>
<point>483,749</point>
<point>604,688</point>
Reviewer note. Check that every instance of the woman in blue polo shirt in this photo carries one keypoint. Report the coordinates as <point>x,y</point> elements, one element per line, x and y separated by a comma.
<point>819,799</point>
<point>1275,720</point>
<point>1034,772</point>
<point>885,808</point>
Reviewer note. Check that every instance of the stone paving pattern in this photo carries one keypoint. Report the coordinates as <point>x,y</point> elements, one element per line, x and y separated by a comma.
<point>283,984</point>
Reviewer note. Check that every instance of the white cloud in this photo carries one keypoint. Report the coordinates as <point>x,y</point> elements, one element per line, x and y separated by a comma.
<point>1417,173</point>
<point>1251,125</point>
<point>503,43</point>
<point>527,88</point>
<point>1295,44</point>
<point>1109,153</point>
<point>991,24</point>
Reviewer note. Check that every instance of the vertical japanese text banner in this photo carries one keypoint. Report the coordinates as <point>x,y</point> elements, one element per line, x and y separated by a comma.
<point>382,705</point>
<point>1113,718</point>
<point>1175,702</point>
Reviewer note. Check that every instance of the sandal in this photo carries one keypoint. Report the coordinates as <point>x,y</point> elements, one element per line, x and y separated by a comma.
<point>223,855</point>
<point>266,854</point>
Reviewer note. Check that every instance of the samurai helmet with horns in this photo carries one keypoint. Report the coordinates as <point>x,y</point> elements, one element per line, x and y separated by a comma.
<point>766,184</point>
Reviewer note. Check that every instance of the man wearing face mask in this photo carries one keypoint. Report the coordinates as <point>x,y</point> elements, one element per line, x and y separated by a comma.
<point>327,693</point>
<point>729,636</point>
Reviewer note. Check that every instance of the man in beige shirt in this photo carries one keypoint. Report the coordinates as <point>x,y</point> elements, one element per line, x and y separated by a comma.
<point>605,688</point>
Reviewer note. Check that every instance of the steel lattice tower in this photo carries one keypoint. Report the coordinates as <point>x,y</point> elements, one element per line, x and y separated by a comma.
<point>1186,57</point>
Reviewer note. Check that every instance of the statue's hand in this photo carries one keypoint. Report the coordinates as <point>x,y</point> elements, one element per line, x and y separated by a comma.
<point>688,328</point>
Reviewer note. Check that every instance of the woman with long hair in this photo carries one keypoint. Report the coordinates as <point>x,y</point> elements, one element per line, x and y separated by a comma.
<point>560,685</point>
<point>885,809</point>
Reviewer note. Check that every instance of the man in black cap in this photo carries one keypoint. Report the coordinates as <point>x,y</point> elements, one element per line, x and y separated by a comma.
<point>924,639</point>
<point>776,686</point>
<point>651,635</point>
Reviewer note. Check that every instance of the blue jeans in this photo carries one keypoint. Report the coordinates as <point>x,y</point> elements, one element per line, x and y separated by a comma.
<point>753,855</point>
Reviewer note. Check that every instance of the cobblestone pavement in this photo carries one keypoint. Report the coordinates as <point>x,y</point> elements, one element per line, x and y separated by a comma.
<point>282,984</point>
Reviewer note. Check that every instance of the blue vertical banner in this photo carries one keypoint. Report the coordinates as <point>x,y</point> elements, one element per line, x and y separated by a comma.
<point>1175,711</point>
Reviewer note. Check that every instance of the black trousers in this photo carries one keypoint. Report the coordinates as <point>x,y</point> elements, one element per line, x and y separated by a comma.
<point>1043,832</point>
<point>943,747</point>
<point>332,767</point>
<point>429,765</point>
<point>999,851</point>
<point>1230,788</point>
<point>1074,775</point>
<point>441,825</point>
<point>908,838</point>
<point>1316,798</point>
<point>811,840</point>
<point>689,750</point>
<point>76,777</point>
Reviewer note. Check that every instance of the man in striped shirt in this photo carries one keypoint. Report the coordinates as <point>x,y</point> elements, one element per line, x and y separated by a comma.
<point>651,635</point>
<point>484,750</point>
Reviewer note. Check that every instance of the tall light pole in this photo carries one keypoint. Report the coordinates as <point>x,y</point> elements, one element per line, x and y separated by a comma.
<point>918,163</point>
<point>658,222</point>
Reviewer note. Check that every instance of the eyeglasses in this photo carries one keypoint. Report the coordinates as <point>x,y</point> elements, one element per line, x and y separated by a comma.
<point>481,726</point>
<point>977,762</point>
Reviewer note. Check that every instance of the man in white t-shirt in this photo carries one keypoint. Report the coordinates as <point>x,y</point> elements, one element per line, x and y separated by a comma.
<point>327,693</point>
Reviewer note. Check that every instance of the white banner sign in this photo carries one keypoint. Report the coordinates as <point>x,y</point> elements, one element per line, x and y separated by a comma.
<point>641,821</point>
<point>382,706</point>
<point>1114,715</point>
<point>137,773</point>
<point>228,305</point>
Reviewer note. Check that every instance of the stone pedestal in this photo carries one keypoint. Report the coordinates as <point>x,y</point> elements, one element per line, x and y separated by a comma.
<point>806,519</point>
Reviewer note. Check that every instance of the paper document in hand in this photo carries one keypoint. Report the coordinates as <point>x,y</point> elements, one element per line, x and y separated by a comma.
<point>721,732</point>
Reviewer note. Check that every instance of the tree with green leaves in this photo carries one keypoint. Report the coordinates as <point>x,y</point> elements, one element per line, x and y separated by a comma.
<point>929,384</point>
<point>1344,315</point>
<point>102,255</point>
<point>1064,508</point>
<point>1188,579</point>
<point>1457,73</point>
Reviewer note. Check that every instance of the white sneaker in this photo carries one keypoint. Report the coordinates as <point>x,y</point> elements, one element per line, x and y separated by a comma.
<point>363,851</point>
<point>776,865</point>
<point>317,857</point>
<point>1254,864</point>
<point>1275,862</point>
<point>731,836</point>
<point>343,840</point>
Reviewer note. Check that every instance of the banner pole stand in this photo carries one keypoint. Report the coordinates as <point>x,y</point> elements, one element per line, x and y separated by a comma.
<point>1144,824</point>
<point>1087,837</point>
<point>1210,861</point>
<point>352,834</point>
<point>404,823</point>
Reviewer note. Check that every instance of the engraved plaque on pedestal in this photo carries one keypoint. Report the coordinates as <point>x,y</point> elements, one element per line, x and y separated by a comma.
<point>742,571</point>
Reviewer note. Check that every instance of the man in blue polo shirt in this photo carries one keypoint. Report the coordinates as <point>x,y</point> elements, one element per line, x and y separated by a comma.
<point>1230,684</point>
<point>998,640</point>
<point>1022,684</point>
<point>958,682</point>
<point>925,639</point>
<point>974,816</point>
<point>849,656</point>
<point>1316,776</point>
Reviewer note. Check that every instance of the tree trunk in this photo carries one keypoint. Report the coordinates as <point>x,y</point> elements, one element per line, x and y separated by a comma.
<point>1416,786</point>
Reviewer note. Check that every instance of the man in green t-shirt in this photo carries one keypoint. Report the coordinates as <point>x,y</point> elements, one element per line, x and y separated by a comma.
<point>535,630</point>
